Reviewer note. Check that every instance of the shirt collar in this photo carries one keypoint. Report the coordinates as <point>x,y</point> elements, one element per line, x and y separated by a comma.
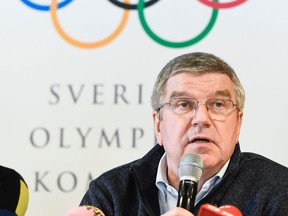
<point>162,181</point>
<point>161,178</point>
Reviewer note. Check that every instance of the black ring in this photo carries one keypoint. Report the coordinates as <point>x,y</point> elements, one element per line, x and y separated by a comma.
<point>132,6</point>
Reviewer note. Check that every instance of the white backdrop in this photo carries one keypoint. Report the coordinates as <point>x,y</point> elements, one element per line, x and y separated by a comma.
<point>68,113</point>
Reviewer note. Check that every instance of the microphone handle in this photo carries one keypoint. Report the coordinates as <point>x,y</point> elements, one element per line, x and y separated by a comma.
<point>187,194</point>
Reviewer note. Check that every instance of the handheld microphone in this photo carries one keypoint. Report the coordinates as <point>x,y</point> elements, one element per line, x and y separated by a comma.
<point>84,210</point>
<point>190,171</point>
<point>226,210</point>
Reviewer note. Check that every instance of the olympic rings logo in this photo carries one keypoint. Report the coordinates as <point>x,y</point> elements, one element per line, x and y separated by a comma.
<point>126,6</point>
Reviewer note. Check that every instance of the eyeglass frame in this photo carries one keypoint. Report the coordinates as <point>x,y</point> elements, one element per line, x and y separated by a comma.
<point>198,103</point>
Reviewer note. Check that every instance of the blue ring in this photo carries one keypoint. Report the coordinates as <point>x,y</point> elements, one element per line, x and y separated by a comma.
<point>44,7</point>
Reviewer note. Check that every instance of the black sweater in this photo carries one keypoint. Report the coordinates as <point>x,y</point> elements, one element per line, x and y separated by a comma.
<point>252,183</point>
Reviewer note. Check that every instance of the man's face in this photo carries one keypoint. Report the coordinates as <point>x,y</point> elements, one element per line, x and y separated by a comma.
<point>211,138</point>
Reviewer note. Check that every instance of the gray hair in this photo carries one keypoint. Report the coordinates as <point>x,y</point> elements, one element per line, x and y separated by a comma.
<point>197,63</point>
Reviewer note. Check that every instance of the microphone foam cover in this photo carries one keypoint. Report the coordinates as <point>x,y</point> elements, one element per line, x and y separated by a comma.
<point>84,210</point>
<point>210,210</point>
<point>190,167</point>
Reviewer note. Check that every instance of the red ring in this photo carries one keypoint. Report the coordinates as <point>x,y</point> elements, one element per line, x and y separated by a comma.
<point>217,5</point>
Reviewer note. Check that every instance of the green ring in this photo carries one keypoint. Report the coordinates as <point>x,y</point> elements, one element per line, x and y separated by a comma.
<point>163,42</point>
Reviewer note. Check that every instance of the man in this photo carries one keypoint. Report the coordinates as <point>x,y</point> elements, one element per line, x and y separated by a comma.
<point>197,106</point>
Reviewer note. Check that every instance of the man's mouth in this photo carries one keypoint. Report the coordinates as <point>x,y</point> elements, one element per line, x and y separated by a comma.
<point>200,140</point>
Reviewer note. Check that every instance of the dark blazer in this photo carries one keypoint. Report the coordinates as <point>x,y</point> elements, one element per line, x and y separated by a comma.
<point>252,183</point>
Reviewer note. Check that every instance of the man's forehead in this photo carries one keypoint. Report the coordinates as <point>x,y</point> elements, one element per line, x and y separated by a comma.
<point>211,84</point>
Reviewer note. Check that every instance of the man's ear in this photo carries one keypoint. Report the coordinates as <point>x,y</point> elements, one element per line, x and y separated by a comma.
<point>156,121</point>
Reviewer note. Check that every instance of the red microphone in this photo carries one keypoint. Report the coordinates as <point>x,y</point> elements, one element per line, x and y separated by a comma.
<point>84,210</point>
<point>226,210</point>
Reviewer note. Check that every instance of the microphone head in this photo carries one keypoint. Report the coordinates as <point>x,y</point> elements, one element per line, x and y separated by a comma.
<point>84,210</point>
<point>190,167</point>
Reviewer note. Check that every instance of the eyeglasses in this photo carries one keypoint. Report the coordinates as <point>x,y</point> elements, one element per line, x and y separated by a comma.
<point>216,108</point>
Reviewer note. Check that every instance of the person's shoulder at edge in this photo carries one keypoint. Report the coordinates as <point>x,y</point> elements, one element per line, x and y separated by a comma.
<point>14,193</point>
<point>261,164</point>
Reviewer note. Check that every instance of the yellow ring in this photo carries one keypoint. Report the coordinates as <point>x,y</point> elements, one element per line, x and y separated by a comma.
<point>66,37</point>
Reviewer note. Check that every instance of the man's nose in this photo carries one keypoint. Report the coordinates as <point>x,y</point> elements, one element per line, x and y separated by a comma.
<point>201,116</point>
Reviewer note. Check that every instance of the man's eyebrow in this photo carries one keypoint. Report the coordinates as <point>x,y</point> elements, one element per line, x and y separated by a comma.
<point>179,94</point>
<point>224,93</point>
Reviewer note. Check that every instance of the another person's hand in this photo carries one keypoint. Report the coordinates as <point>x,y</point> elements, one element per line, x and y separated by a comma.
<point>178,212</point>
